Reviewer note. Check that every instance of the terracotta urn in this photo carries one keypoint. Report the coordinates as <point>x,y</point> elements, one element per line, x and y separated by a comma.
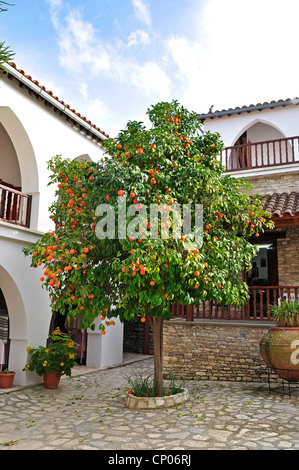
<point>279,349</point>
<point>51,380</point>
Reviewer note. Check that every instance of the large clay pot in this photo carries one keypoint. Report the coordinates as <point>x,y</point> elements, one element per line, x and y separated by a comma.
<point>51,380</point>
<point>279,349</point>
<point>6,379</point>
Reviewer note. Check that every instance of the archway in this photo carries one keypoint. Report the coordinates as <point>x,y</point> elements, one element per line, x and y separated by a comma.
<point>9,164</point>
<point>83,157</point>
<point>23,167</point>
<point>4,332</point>
<point>17,336</point>
<point>72,327</point>
<point>259,144</point>
<point>262,128</point>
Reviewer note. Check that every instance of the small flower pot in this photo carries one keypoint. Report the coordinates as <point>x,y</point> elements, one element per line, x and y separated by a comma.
<point>6,380</point>
<point>51,380</point>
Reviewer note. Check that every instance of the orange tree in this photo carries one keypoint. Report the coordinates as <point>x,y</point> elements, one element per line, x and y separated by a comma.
<point>101,259</point>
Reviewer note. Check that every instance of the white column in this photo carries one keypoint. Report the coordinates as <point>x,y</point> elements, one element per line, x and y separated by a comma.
<point>18,360</point>
<point>105,350</point>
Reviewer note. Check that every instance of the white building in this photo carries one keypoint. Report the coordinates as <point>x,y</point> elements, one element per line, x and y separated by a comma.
<point>34,127</point>
<point>262,145</point>
<point>268,133</point>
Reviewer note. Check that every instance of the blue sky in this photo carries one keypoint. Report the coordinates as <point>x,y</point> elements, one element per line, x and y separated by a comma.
<point>113,59</point>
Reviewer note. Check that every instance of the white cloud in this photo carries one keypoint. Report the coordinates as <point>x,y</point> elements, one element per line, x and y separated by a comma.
<point>238,55</point>
<point>55,6</point>
<point>54,3</point>
<point>151,79</point>
<point>83,89</point>
<point>142,12</point>
<point>187,55</point>
<point>138,37</point>
<point>81,51</point>
<point>79,46</point>
<point>96,110</point>
<point>230,54</point>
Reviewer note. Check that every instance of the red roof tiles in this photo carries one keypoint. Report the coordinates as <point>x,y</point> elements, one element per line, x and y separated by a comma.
<point>247,109</point>
<point>49,92</point>
<point>282,204</point>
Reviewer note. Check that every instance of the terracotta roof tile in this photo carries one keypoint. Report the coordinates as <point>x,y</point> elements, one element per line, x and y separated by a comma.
<point>247,109</point>
<point>282,204</point>
<point>12,64</point>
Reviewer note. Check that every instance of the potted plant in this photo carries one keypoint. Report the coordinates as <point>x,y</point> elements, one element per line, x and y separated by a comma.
<point>54,360</point>
<point>142,393</point>
<point>6,378</point>
<point>279,347</point>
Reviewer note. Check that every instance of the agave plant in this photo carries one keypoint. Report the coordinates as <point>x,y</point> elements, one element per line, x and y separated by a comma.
<point>286,314</point>
<point>5,56</point>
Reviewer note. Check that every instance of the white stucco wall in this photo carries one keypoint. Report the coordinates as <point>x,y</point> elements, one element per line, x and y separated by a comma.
<point>37,135</point>
<point>103,350</point>
<point>28,304</point>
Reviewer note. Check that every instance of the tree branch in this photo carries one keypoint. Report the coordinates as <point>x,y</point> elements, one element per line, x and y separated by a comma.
<point>5,3</point>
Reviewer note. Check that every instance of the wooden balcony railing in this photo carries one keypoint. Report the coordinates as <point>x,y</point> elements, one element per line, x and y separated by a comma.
<point>15,206</point>
<point>261,154</point>
<point>257,307</point>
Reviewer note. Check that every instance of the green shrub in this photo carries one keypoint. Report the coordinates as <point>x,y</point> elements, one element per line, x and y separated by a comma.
<point>286,314</point>
<point>143,385</point>
<point>58,356</point>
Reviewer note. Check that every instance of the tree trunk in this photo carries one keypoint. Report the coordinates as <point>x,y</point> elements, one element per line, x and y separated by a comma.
<point>157,327</point>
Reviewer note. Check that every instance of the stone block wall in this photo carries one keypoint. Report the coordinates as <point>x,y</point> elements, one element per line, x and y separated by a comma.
<point>134,337</point>
<point>288,257</point>
<point>274,183</point>
<point>214,351</point>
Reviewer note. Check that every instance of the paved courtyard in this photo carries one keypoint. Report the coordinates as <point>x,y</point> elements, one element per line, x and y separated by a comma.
<point>88,412</point>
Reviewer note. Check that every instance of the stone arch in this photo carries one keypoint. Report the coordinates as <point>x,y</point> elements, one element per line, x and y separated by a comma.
<point>256,122</point>
<point>14,302</point>
<point>257,130</point>
<point>18,331</point>
<point>85,157</point>
<point>9,163</point>
<point>25,155</point>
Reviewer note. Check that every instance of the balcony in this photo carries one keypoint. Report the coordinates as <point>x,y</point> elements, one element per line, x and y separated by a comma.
<point>254,155</point>
<point>257,308</point>
<point>15,206</point>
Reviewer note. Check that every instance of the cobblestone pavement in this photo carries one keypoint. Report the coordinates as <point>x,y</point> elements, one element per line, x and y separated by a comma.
<point>88,412</point>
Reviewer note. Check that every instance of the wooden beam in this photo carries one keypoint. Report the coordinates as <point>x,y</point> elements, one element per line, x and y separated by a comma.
<point>286,221</point>
<point>268,237</point>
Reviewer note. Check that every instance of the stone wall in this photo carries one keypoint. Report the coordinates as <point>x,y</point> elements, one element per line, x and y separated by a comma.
<point>214,351</point>
<point>288,257</point>
<point>275,183</point>
<point>134,337</point>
